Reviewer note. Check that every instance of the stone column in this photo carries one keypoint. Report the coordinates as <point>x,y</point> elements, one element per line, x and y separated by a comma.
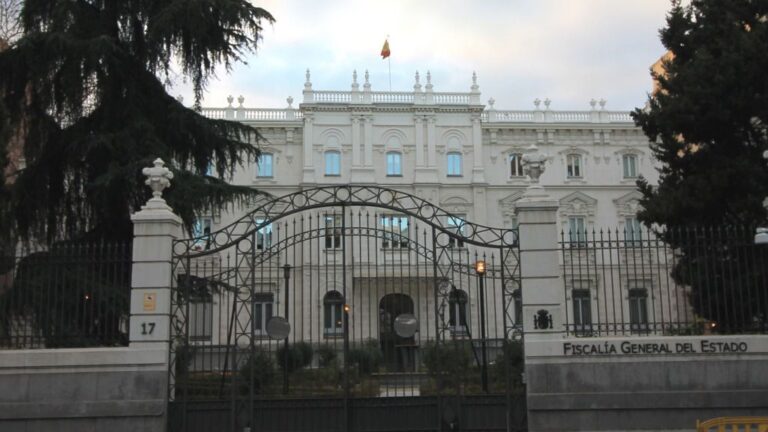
<point>356,141</point>
<point>309,169</point>
<point>155,227</point>
<point>478,169</point>
<point>368,131</point>
<point>431,144</point>
<point>541,278</point>
<point>419,137</point>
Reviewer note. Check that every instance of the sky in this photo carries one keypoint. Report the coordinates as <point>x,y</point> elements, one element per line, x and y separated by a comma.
<point>569,51</point>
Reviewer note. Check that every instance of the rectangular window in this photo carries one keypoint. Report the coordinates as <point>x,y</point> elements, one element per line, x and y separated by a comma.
<point>264,165</point>
<point>638,310</point>
<point>332,163</point>
<point>395,232</point>
<point>333,320</point>
<point>200,320</point>
<point>574,166</point>
<point>394,164</point>
<point>582,311</point>
<point>262,311</point>
<point>332,231</point>
<point>577,234</point>
<point>201,232</point>
<point>263,235</point>
<point>632,231</point>
<point>630,165</point>
<point>518,299</point>
<point>455,224</point>
<point>454,164</point>
<point>515,165</point>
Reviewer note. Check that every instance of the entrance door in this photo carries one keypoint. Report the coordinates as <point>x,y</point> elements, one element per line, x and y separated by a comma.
<point>399,352</point>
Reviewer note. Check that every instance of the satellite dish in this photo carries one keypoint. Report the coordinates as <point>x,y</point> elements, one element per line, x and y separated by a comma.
<point>278,328</point>
<point>406,325</point>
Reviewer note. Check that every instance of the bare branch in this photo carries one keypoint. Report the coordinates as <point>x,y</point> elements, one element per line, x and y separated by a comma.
<point>10,22</point>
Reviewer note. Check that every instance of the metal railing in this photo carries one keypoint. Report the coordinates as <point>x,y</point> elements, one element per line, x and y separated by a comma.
<point>682,281</point>
<point>71,295</point>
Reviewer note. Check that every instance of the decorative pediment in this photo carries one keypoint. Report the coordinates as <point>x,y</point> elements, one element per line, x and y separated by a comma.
<point>456,204</point>
<point>629,204</point>
<point>332,138</point>
<point>510,201</point>
<point>578,203</point>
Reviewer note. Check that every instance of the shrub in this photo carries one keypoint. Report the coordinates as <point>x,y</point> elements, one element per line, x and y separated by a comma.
<point>366,357</point>
<point>299,355</point>
<point>448,362</point>
<point>257,372</point>
<point>326,356</point>
<point>511,362</point>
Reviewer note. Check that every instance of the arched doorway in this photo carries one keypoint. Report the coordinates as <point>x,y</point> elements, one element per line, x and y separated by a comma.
<point>399,352</point>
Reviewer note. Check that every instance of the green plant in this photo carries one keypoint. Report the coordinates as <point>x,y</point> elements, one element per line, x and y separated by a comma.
<point>297,356</point>
<point>326,356</point>
<point>257,372</point>
<point>508,367</point>
<point>449,363</point>
<point>366,358</point>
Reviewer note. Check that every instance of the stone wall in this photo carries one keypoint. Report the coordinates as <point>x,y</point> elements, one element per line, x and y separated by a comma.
<point>87,389</point>
<point>609,384</point>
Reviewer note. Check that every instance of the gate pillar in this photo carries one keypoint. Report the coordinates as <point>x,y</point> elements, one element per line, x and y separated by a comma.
<point>154,228</point>
<point>542,287</point>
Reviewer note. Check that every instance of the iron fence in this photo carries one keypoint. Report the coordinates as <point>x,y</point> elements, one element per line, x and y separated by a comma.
<point>69,295</point>
<point>665,282</point>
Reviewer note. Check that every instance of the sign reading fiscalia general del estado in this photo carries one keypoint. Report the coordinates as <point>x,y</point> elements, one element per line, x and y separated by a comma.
<point>623,347</point>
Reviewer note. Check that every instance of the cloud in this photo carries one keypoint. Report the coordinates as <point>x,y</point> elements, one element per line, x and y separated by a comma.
<point>569,51</point>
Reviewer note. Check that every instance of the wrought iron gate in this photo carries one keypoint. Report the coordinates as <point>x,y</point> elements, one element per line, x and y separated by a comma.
<point>402,317</point>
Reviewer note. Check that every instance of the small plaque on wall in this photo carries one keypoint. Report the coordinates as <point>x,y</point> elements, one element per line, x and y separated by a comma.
<point>150,302</point>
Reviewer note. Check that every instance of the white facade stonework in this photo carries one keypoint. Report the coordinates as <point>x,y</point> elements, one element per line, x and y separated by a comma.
<point>448,149</point>
<point>424,127</point>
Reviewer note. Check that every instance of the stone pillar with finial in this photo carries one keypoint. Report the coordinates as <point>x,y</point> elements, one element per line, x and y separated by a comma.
<point>547,111</point>
<point>309,96</point>
<point>538,114</point>
<point>367,89</point>
<point>155,227</point>
<point>474,91</point>
<point>418,96</point>
<point>542,289</point>
<point>240,113</point>
<point>290,111</point>
<point>429,96</point>
<point>355,88</point>
<point>491,110</point>
<point>229,111</point>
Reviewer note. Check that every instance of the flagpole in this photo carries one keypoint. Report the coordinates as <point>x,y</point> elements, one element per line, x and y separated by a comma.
<point>389,63</point>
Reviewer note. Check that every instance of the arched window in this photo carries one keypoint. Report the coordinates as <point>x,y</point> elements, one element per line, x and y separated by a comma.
<point>454,164</point>
<point>574,169</point>
<point>394,164</point>
<point>332,163</point>
<point>332,317</point>
<point>457,311</point>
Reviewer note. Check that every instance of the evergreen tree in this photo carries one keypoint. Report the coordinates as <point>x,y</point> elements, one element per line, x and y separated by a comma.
<point>83,89</point>
<point>707,125</point>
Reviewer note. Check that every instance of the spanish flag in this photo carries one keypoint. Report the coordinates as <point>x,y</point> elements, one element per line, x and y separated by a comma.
<point>385,49</point>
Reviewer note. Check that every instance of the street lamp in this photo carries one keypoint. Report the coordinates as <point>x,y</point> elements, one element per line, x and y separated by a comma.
<point>286,356</point>
<point>480,270</point>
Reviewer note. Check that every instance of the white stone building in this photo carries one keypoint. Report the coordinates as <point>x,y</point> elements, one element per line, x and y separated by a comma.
<point>450,149</point>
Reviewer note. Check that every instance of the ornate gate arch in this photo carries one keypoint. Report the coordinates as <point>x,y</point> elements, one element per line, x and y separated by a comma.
<point>340,264</point>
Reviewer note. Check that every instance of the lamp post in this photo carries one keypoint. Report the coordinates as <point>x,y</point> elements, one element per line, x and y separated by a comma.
<point>480,270</point>
<point>286,356</point>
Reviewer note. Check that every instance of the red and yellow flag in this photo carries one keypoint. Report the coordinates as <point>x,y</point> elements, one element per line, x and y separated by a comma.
<point>385,49</point>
